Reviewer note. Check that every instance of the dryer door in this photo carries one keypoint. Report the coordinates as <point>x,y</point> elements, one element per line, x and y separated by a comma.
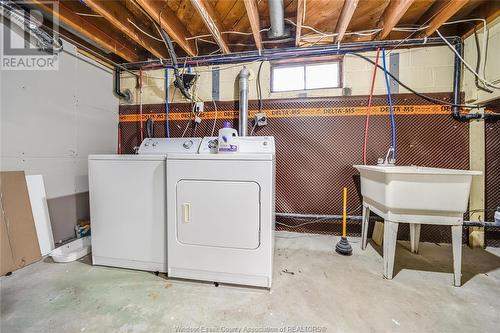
<point>218,213</point>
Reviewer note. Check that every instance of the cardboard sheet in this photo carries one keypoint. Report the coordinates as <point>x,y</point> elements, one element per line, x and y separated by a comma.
<point>19,240</point>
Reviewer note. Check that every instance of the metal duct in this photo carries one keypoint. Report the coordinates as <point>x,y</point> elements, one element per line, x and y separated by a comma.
<point>243,104</point>
<point>276,15</point>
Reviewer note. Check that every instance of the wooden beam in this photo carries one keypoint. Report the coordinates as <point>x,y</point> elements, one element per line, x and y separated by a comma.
<point>345,17</point>
<point>300,20</point>
<point>212,21</point>
<point>169,22</point>
<point>253,17</point>
<point>85,28</point>
<point>442,13</point>
<point>392,14</point>
<point>490,11</point>
<point>119,16</point>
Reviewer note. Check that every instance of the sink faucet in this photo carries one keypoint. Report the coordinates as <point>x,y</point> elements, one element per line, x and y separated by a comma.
<point>388,161</point>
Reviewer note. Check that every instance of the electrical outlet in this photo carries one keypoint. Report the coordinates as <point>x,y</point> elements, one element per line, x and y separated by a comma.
<point>200,106</point>
<point>260,119</point>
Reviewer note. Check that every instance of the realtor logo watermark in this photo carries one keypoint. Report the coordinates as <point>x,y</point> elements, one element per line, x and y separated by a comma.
<point>27,37</point>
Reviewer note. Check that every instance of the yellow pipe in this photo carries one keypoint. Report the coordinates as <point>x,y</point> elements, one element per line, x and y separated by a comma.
<point>344,213</point>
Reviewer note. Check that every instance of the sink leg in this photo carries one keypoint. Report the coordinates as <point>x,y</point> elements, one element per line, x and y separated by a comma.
<point>390,237</point>
<point>414,236</point>
<point>456,240</point>
<point>364,226</point>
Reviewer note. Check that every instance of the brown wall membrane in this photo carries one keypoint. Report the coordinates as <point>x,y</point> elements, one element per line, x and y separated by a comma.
<point>314,155</point>
<point>492,234</point>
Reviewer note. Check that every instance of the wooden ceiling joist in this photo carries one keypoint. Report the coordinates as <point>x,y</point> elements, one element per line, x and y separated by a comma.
<point>392,14</point>
<point>166,18</point>
<point>345,18</point>
<point>440,14</point>
<point>212,22</point>
<point>253,17</point>
<point>119,16</point>
<point>300,20</point>
<point>86,29</point>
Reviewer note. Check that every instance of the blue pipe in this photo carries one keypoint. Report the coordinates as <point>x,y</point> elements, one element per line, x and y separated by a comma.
<point>391,110</point>
<point>167,130</point>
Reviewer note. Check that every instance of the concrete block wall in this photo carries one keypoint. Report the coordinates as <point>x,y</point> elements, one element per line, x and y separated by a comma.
<point>426,69</point>
<point>472,93</point>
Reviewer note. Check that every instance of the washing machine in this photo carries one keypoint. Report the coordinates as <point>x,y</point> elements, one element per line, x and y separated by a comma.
<point>128,205</point>
<point>221,213</point>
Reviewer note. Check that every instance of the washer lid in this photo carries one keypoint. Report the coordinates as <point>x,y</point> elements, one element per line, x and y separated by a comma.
<point>158,146</point>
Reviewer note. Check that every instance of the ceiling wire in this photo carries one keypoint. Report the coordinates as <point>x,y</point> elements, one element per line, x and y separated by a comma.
<point>89,15</point>
<point>144,32</point>
<point>89,50</point>
<point>466,64</point>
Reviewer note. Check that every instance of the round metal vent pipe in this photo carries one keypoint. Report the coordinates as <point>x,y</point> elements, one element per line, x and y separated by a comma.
<point>277,17</point>
<point>243,103</point>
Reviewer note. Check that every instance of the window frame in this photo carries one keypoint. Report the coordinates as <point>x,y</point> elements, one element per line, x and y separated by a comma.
<point>303,63</point>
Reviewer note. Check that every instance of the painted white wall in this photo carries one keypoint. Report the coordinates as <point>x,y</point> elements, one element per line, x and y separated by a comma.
<point>492,73</point>
<point>52,120</point>
<point>426,69</point>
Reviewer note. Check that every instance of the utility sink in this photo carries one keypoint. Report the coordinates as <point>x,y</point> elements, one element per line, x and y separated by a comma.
<point>415,195</point>
<point>418,193</point>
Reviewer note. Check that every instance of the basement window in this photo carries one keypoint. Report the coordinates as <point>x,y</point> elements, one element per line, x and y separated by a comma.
<point>295,77</point>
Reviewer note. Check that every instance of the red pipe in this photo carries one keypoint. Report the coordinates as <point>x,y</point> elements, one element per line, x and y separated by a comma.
<point>367,122</point>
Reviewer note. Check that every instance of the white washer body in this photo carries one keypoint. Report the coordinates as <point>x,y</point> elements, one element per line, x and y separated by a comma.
<point>128,205</point>
<point>221,216</point>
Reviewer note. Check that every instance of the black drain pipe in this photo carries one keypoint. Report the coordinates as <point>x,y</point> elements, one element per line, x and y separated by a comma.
<point>127,96</point>
<point>457,77</point>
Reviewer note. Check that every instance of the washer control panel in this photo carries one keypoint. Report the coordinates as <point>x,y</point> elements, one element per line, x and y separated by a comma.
<point>159,146</point>
<point>246,145</point>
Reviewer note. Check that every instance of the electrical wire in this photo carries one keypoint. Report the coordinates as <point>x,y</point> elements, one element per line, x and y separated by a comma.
<point>173,57</point>
<point>31,25</point>
<point>367,122</point>
<point>478,62</point>
<point>368,32</point>
<point>189,121</point>
<point>466,64</point>
<point>391,110</point>
<point>423,96</point>
<point>89,15</point>
<point>144,32</point>
<point>253,128</point>
<point>259,88</point>
<point>227,32</point>
<point>316,220</point>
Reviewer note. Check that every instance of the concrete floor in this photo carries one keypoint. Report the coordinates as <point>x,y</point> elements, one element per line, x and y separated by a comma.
<point>313,287</point>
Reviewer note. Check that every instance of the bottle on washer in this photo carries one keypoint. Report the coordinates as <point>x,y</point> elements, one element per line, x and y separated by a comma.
<point>228,139</point>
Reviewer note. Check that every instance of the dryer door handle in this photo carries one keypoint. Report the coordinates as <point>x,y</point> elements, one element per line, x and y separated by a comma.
<point>187,212</point>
